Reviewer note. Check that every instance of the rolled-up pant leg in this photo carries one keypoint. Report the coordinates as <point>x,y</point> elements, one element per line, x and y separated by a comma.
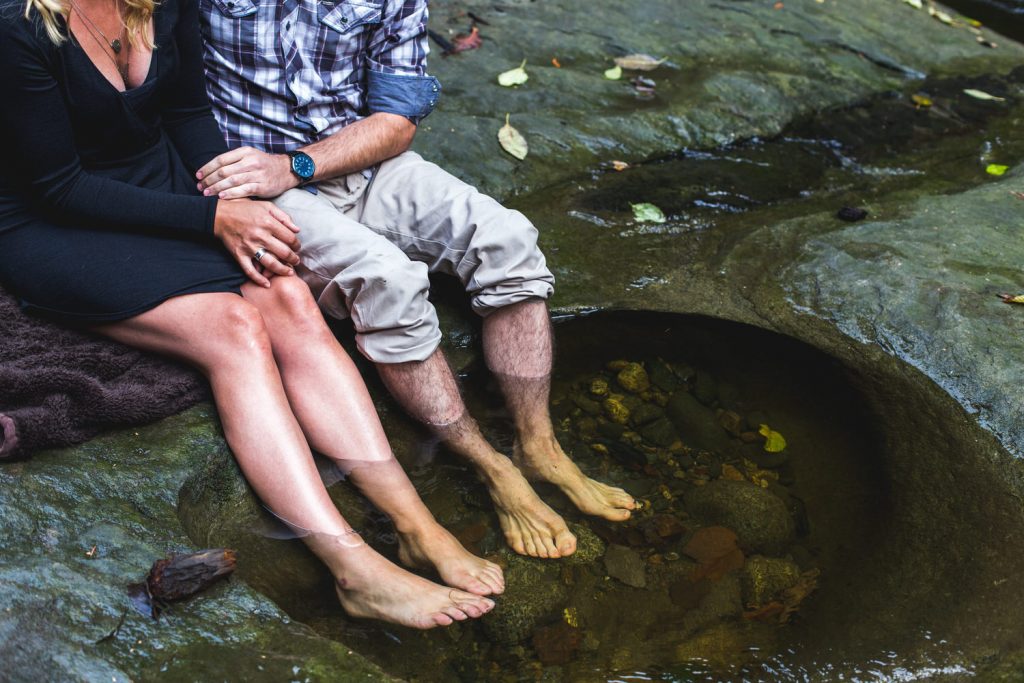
<point>355,272</point>
<point>435,218</point>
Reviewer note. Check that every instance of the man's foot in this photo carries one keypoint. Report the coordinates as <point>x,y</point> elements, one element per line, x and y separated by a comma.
<point>545,460</point>
<point>458,567</point>
<point>530,526</point>
<point>376,589</point>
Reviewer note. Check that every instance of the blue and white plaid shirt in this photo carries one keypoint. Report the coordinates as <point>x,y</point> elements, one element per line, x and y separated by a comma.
<point>281,75</point>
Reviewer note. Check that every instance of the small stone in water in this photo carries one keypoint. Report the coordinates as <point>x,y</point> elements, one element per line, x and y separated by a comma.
<point>599,386</point>
<point>625,565</point>
<point>634,378</point>
<point>851,214</point>
<point>616,411</point>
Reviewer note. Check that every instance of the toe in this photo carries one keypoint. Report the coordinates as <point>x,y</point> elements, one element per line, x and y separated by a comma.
<point>455,613</point>
<point>552,548</point>
<point>470,610</point>
<point>566,543</point>
<point>531,549</point>
<point>617,515</point>
<point>439,619</point>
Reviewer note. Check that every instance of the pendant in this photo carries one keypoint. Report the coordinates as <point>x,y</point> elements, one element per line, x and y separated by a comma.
<point>115,45</point>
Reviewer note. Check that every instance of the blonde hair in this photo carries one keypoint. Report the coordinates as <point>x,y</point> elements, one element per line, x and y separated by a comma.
<point>136,19</point>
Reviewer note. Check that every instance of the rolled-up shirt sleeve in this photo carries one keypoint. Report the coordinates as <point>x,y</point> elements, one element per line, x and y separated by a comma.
<point>397,79</point>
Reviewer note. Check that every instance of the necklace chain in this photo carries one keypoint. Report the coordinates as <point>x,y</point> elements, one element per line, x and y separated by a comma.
<point>115,45</point>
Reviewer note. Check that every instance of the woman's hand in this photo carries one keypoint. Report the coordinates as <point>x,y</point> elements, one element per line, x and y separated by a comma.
<point>246,226</point>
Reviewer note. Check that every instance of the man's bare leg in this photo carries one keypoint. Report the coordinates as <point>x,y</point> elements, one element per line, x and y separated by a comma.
<point>519,348</point>
<point>429,393</point>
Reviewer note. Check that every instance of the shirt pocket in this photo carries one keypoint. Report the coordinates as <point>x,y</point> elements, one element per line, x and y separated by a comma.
<point>237,29</point>
<point>350,16</point>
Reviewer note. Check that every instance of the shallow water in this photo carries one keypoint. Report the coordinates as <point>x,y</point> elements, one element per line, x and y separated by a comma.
<point>596,628</point>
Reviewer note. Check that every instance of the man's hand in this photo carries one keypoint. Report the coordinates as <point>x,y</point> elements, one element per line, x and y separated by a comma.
<point>245,227</point>
<point>247,172</point>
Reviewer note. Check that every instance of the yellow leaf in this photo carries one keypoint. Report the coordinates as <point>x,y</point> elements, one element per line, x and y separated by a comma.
<point>614,73</point>
<point>773,441</point>
<point>921,100</point>
<point>639,62</point>
<point>516,76</point>
<point>512,141</point>
<point>996,169</point>
<point>1011,299</point>
<point>619,165</point>
<point>571,616</point>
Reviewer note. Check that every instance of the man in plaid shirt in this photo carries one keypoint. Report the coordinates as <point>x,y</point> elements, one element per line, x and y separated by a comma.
<point>321,101</point>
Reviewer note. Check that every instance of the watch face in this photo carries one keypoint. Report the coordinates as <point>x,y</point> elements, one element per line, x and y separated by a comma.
<point>303,165</point>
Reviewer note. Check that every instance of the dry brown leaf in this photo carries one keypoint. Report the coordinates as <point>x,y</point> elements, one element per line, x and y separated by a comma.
<point>640,62</point>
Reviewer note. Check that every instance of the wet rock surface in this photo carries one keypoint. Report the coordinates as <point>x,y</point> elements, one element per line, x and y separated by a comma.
<point>904,299</point>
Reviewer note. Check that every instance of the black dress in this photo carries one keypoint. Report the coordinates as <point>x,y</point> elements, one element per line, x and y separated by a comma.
<point>100,219</point>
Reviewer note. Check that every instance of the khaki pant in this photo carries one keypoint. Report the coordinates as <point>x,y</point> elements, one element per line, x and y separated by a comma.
<point>369,245</point>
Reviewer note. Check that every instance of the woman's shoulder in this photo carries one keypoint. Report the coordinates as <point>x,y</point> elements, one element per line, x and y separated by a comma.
<point>26,30</point>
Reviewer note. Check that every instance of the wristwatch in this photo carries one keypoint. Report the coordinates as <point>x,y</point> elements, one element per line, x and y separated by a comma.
<point>302,166</point>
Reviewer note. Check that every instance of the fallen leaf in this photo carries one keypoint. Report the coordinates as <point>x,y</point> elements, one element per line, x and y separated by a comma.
<point>779,611</point>
<point>640,62</point>
<point>461,43</point>
<point>982,95</point>
<point>985,42</point>
<point>555,63</point>
<point>996,169</point>
<point>940,15</point>
<point>851,214</point>
<point>512,141</point>
<point>644,86</point>
<point>731,473</point>
<point>619,165</point>
<point>614,73</point>
<point>916,4</point>
<point>1011,299</point>
<point>716,551</point>
<point>516,76</point>
<point>1018,195</point>
<point>773,441</point>
<point>921,100</point>
<point>647,213</point>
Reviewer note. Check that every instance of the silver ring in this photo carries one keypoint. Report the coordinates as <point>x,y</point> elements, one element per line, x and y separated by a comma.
<point>260,253</point>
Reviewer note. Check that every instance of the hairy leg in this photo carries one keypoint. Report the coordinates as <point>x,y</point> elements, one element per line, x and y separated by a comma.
<point>226,338</point>
<point>334,409</point>
<point>429,392</point>
<point>519,348</point>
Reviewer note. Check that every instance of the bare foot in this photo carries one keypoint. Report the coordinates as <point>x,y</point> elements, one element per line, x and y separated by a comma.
<point>544,459</point>
<point>530,526</point>
<point>376,589</point>
<point>458,567</point>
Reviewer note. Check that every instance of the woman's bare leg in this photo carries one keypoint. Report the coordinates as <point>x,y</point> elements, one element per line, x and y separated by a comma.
<point>334,409</point>
<point>226,338</point>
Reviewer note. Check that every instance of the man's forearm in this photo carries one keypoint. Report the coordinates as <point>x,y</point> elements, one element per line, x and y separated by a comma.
<point>361,145</point>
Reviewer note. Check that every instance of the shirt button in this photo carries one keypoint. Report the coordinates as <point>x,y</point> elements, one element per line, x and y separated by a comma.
<point>231,5</point>
<point>344,20</point>
<point>288,25</point>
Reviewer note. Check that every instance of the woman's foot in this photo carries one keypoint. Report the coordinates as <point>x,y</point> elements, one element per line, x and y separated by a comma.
<point>544,459</point>
<point>370,587</point>
<point>530,526</point>
<point>437,548</point>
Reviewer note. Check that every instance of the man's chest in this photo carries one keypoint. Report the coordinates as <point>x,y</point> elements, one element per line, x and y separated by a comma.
<point>293,35</point>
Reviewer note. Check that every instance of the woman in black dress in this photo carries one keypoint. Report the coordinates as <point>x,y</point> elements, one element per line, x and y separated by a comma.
<point>103,123</point>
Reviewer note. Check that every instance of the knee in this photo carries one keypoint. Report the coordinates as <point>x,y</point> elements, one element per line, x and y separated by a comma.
<point>241,331</point>
<point>390,290</point>
<point>293,303</point>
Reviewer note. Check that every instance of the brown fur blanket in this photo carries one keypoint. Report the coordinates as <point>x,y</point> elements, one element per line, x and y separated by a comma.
<point>60,386</point>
